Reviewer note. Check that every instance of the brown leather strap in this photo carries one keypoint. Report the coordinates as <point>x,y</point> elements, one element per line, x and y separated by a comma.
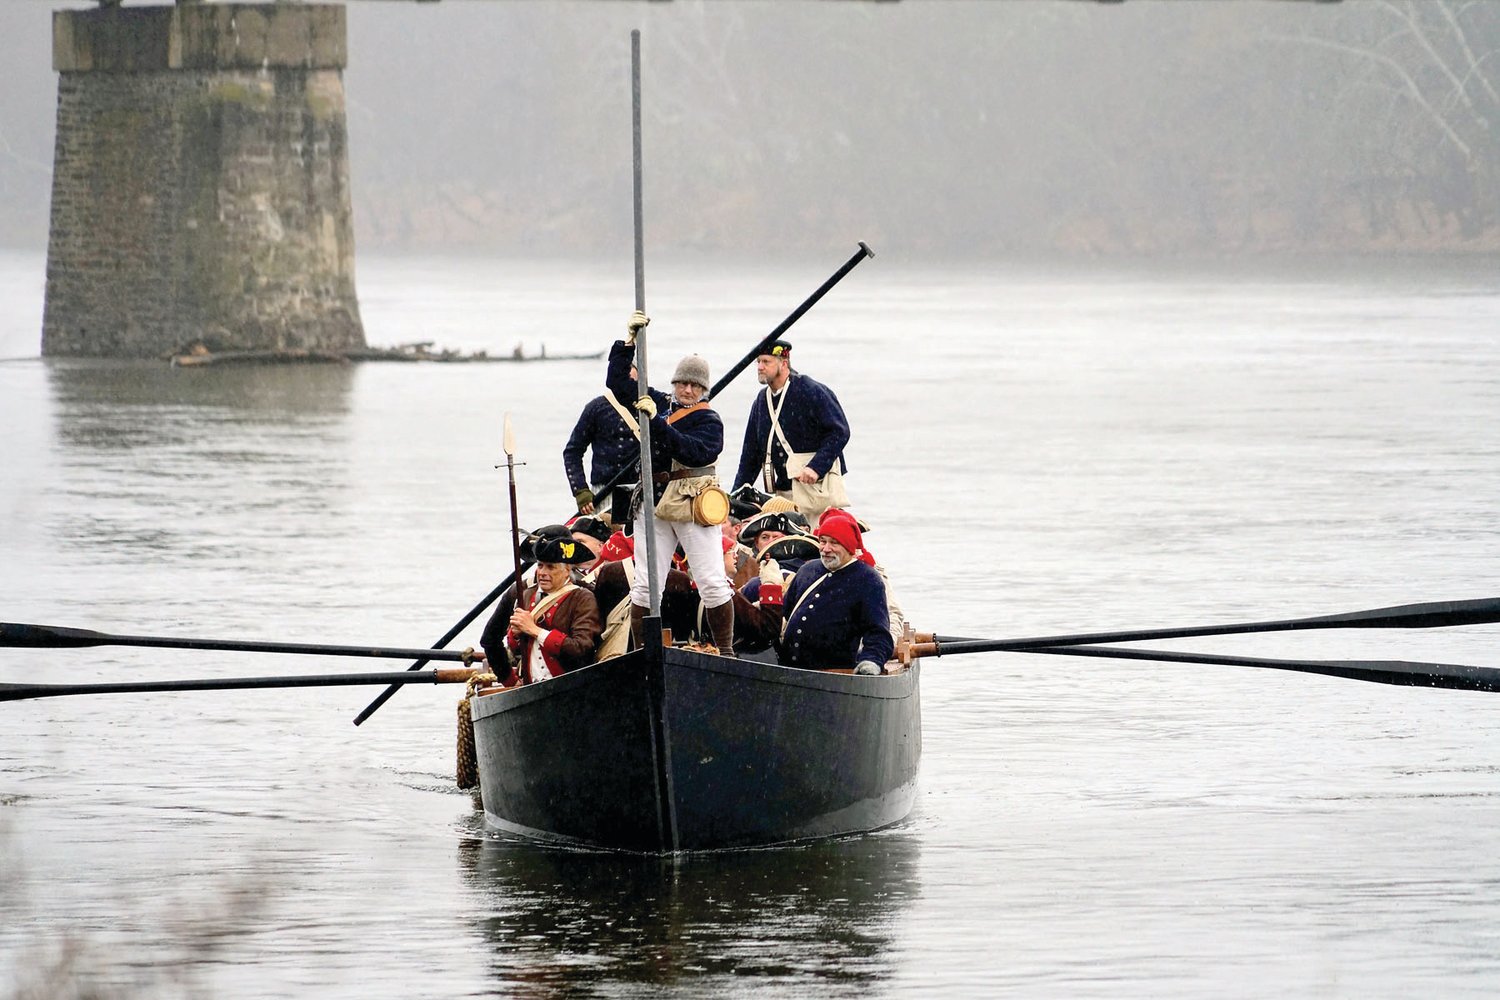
<point>667,477</point>
<point>702,405</point>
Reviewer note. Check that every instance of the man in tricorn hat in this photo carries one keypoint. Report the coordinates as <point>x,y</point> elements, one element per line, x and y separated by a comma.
<point>769,525</point>
<point>795,438</point>
<point>686,439</point>
<point>555,626</point>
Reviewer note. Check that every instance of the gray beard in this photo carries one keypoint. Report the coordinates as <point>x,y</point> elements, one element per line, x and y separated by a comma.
<point>830,561</point>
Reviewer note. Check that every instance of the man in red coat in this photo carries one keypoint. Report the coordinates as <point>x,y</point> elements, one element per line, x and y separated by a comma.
<point>555,627</point>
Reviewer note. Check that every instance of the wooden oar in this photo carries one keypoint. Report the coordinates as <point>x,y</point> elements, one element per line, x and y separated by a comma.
<point>58,637</point>
<point>1403,672</point>
<point>446,638</point>
<point>796,314</point>
<point>1435,615</point>
<point>16,692</point>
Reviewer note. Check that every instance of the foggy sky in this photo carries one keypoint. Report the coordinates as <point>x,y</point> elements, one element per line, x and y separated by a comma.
<point>926,127</point>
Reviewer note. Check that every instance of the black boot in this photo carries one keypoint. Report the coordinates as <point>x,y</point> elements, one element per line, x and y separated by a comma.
<point>721,622</point>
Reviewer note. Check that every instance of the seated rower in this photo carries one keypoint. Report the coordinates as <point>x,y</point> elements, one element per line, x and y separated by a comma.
<point>555,627</point>
<point>755,628</point>
<point>776,520</point>
<point>834,611</point>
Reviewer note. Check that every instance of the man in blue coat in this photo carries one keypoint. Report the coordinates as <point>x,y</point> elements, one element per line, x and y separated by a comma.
<point>609,428</point>
<point>795,437</point>
<point>834,611</point>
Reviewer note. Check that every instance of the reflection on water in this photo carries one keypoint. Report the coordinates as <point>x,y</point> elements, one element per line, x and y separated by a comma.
<point>825,916</point>
<point>131,436</point>
<point>289,393</point>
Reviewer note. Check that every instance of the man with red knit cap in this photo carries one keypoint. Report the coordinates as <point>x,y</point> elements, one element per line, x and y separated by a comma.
<point>834,611</point>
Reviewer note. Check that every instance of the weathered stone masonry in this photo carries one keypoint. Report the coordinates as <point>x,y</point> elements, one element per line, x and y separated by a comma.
<point>201,182</point>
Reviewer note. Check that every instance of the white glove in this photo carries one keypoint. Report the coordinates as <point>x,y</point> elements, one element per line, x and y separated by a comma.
<point>646,405</point>
<point>770,573</point>
<point>867,668</point>
<point>638,322</point>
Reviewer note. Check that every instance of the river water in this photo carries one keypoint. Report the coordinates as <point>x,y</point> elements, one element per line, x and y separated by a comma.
<point>1037,452</point>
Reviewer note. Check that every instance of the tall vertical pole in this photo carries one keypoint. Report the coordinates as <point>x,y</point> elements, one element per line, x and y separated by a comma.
<point>648,491</point>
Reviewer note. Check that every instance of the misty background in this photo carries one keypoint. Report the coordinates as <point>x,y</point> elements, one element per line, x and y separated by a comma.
<point>932,129</point>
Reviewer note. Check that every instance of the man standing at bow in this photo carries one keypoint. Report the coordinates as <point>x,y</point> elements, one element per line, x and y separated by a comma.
<point>795,437</point>
<point>686,439</point>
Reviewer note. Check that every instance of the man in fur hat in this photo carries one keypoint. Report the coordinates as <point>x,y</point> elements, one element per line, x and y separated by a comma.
<point>555,626</point>
<point>686,439</point>
<point>834,611</point>
<point>795,438</point>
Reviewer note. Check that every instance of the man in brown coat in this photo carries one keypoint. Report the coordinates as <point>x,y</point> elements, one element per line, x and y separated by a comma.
<point>555,626</point>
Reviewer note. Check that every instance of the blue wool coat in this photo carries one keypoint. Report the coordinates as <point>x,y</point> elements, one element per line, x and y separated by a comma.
<point>811,419</point>
<point>601,428</point>
<point>842,621</point>
<point>695,440</point>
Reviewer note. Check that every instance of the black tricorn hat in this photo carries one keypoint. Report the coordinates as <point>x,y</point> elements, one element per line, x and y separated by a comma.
<point>788,522</point>
<point>746,502</point>
<point>561,550</point>
<point>587,524</point>
<point>794,546</point>
<point>531,538</point>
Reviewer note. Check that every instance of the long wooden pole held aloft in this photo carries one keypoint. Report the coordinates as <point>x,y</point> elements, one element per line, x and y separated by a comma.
<point>643,382</point>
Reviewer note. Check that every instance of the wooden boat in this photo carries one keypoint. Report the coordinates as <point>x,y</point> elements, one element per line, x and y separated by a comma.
<point>679,750</point>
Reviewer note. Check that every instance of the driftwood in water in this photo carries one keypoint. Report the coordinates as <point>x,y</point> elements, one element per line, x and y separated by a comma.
<point>198,356</point>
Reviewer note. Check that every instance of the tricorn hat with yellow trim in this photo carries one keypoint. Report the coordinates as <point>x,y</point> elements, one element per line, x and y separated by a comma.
<point>561,550</point>
<point>530,540</point>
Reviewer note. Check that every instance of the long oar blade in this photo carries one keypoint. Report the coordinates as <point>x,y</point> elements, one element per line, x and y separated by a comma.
<point>58,637</point>
<point>447,637</point>
<point>1409,673</point>
<point>1435,615</point>
<point>17,692</point>
<point>49,636</point>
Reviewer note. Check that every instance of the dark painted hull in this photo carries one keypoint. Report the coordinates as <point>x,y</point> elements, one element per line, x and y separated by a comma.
<point>698,753</point>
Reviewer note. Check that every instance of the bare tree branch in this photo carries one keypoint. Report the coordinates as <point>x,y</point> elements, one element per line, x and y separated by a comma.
<point>1462,37</point>
<point>1414,91</point>
<point>1420,34</point>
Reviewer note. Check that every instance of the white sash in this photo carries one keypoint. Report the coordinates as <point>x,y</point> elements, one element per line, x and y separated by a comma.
<point>635,428</point>
<point>773,407</point>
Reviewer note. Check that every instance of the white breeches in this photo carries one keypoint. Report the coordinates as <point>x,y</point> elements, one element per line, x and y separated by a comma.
<point>705,556</point>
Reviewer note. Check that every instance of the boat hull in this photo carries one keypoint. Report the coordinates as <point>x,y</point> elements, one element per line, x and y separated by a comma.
<point>698,752</point>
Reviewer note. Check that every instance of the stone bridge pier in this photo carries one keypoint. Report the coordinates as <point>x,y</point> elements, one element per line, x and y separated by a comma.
<point>200,187</point>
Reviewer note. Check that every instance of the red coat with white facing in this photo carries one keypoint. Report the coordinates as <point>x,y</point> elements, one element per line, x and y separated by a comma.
<point>573,629</point>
